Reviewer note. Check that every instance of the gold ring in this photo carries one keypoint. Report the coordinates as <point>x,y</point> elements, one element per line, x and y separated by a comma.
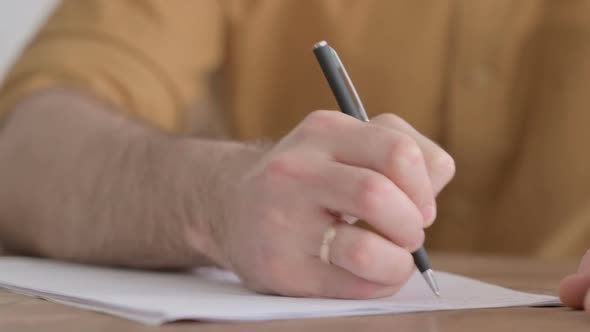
<point>327,239</point>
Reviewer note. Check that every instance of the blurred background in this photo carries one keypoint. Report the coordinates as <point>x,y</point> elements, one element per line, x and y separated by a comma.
<point>19,20</point>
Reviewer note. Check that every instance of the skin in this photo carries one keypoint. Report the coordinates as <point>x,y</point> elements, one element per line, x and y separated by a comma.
<point>574,289</point>
<point>82,182</point>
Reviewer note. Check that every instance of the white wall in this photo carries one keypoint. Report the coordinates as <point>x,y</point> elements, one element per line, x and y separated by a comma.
<point>19,20</point>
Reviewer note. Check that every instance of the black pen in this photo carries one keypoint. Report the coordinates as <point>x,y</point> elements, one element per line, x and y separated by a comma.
<point>350,103</point>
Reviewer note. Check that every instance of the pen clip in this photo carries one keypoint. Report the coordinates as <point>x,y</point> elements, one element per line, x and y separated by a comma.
<point>350,86</point>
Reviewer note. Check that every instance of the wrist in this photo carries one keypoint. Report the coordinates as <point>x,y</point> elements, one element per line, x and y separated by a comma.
<point>209,172</point>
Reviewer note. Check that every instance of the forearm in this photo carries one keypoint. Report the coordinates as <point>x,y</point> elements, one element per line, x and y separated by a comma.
<point>80,182</point>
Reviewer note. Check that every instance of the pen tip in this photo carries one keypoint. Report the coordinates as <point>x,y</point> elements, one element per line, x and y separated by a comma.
<point>429,276</point>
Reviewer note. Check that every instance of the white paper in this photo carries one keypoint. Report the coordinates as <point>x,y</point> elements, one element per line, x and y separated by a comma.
<point>213,295</point>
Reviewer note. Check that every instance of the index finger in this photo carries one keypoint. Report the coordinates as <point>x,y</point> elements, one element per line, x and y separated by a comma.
<point>440,165</point>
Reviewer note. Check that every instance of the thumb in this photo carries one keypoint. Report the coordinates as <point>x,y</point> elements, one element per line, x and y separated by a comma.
<point>573,288</point>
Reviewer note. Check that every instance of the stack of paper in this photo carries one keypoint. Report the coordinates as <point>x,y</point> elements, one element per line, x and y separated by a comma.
<point>213,295</point>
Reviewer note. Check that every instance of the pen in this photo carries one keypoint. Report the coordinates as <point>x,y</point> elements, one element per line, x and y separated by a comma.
<point>350,103</point>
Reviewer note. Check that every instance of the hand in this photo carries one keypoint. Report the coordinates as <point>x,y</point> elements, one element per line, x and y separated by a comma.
<point>383,172</point>
<point>574,289</point>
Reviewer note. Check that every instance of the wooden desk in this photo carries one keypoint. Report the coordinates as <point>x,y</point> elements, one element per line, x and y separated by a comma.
<point>19,313</point>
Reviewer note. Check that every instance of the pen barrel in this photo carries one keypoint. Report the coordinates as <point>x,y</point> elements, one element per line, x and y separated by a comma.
<point>334,72</point>
<point>421,259</point>
<point>325,57</point>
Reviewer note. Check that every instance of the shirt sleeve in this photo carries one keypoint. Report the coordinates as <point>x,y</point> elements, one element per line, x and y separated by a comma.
<point>150,57</point>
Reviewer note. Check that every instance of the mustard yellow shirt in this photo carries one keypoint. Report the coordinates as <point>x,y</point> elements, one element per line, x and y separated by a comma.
<point>503,85</point>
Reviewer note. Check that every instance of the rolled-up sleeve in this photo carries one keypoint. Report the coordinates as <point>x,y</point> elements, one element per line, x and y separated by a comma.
<point>150,58</point>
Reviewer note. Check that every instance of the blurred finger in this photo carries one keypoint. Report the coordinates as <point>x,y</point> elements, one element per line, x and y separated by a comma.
<point>439,163</point>
<point>306,276</point>
<point>334,282</point>
<point>573,289</point>
<point>393,154</point>
<point>370,196</point>
<point>371,257</point>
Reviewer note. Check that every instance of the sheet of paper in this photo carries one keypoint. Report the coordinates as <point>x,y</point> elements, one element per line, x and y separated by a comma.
<point>214,295</point>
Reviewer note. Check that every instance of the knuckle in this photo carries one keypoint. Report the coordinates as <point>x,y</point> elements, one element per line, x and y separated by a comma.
<point>283,165</point>
<point>446,165</point>
<point>405,147</point>
<point>393,121</point>
<point>319,120</point>
<point>272,220</point>
<point>373,191</point>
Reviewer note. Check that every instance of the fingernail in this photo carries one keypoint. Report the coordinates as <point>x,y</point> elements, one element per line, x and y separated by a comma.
<point>349,219</point>
<point>420,241</point>
<point>428,213</point>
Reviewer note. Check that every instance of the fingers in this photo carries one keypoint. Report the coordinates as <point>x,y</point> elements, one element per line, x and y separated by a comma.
<point>370,196</point>
<point>363,264</point>
<point>383,172</point>
<point>573,289</point>
<point>396,156</point>
<point>440,164</point>
<point>316,279</point>
<point>334,282</point>
<point>371,257</point>
<point>389,152</point>
<point>388,146</point>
